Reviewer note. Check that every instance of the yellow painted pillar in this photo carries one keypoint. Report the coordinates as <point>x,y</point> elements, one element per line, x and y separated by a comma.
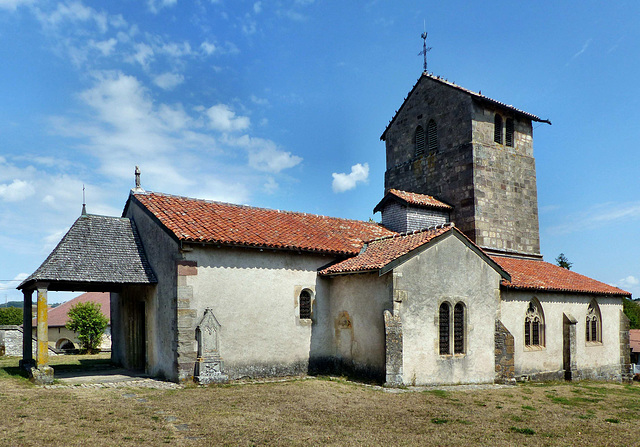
<point>42,330</point>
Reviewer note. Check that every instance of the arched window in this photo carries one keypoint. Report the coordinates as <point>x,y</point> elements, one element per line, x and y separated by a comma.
<point>418,141</point>
<point>432,136</point>
<point>593,330</point>
<point>458,329</point>
<point>305,305</point>
<point>509,132</point>
<point>497,129</point>
<point>534,325</point>
<point>444,328</point>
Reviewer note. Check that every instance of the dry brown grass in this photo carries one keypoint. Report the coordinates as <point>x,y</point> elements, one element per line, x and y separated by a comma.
<point>317,411</point>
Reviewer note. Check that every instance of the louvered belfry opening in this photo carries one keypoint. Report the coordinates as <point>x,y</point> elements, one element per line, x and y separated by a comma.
<point>509,132</point>
<point>458,329</point>
<point>419,141</point>
<point>444,329</point>
<point>305,305</point>
<point>432,136</point>
<point>497,129</point>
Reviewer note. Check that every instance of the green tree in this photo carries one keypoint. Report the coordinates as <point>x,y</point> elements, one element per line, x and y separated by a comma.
<point>10,315</point>
<point>87,320</point>
<point>563,262</point>
<point>632,311</point>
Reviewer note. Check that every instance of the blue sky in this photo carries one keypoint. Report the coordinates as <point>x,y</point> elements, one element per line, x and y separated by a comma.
<point>281,104</point>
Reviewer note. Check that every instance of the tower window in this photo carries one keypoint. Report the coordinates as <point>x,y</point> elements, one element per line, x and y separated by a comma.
<point>497,129</point>
<point>418,141</point>
<point>305,305</point>
<point>432,136</point>
<point>444,329</point>
<point>509,132</point>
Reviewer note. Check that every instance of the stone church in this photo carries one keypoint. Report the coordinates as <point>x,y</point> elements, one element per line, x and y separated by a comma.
<point>450,288</point>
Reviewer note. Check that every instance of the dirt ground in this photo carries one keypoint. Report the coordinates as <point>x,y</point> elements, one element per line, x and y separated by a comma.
<point>317,411</point>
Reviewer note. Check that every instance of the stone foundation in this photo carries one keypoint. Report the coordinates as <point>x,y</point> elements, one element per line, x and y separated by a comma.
<point>505,367</point>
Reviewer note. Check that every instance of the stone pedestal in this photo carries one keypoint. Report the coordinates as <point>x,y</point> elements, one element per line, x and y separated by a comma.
<point>42,375</point>
<point>210,371</point>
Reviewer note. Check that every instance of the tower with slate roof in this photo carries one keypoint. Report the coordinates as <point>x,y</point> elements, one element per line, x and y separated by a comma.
<point>473,153</point>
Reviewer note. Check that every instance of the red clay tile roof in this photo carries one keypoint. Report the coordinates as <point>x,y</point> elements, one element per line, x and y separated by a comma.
<point>58,315</point>
<point>223,223</point>
<point>478,96</point>
<point>412,198</point>
<point>634,340</point>
<point>380,252</point>
<point>531,274</point>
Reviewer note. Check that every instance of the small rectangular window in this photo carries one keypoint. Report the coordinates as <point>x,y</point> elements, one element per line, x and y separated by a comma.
<point>509,132</point>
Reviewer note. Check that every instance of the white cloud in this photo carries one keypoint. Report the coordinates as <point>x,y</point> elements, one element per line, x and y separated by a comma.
<point>259,101</point>
<point>175,49</point>
<point>222,118</point>
<point>16,191</point>
<point>581,52</point>
<point>143,53</point>
<point>168,81</point>
<point>74,12</point>
<point>257,7</point>
<point>156,5</point>
<point>270,159</point>
<point>629,281</point>
<point>106,47</point>
<point>270,186</point>
<point>12,5</point>
<point>208,48</point>
<point>344,182</point>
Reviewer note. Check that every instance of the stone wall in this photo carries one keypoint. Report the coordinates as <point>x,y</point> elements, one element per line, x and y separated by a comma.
<point>491,186</point>
<point>447,173</point>
<point>505,369</point>
<point>625,350</point>
<point>11,342</point>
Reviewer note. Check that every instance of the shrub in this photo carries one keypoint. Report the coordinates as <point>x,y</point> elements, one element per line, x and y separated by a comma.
<point>87,320</point>
<point>10,315</point>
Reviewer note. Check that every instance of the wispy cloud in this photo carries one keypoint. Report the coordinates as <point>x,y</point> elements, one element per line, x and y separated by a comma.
<point>598,216</point>
<point>581,52</point>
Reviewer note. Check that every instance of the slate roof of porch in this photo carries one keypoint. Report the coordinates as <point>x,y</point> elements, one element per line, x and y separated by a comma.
<point>411,198</point>
<point>97,253</point>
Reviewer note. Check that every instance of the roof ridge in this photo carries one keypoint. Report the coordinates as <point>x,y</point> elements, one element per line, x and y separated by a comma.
<point>410,233</point>
<point>253,207</point>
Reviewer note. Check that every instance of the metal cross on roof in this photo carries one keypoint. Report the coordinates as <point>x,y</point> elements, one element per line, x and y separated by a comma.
<point>424,50</point>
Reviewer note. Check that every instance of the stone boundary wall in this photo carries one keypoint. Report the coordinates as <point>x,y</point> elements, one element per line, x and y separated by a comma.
<point>11,341</point>
<point>625,351</point>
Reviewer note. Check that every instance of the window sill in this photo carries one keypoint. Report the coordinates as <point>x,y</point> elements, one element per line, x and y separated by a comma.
<point>534,348</point>
<point>593,343</point>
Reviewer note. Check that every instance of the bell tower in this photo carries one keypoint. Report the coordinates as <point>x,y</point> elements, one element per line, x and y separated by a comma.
<point>473,153</point>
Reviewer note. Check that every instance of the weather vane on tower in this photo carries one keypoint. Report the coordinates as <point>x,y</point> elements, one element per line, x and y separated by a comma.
<point>424,47</point>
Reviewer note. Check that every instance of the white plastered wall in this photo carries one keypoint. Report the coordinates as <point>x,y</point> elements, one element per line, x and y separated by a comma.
<point>550,358</point>
<point>254,296</point>
<point>447,271</point>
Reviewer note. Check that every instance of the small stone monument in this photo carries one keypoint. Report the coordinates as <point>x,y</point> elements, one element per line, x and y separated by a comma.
<point>209,364</point>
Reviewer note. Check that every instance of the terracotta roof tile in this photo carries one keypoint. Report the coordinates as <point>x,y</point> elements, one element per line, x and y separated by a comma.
<point>529,274</point>
<point>57,316</point>
<point>634,340</point>
<point>380,252</point>
<point>412,198</point>
<point>223,223</point>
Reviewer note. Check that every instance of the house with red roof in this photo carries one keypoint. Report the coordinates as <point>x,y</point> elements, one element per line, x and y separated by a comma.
<point>450,288</point>
<point>63,339</point>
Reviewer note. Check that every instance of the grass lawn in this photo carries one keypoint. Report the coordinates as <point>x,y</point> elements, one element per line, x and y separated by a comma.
<point>315,412</point>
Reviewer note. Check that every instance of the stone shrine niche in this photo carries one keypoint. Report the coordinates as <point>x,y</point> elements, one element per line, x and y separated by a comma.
<point>209,365</point>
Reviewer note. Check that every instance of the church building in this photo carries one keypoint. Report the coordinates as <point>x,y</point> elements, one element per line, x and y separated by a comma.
<point>450,288</point>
